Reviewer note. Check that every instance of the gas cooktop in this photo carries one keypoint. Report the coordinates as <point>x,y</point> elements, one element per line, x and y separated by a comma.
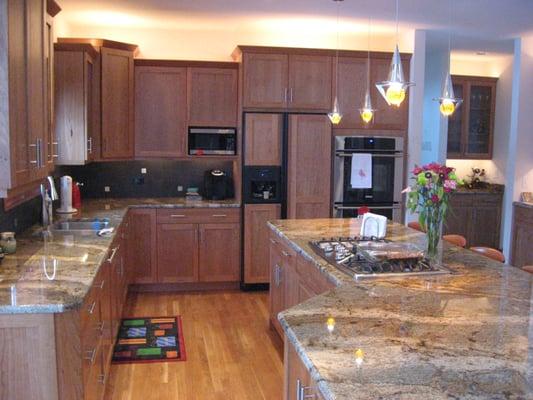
<point>357,257</point>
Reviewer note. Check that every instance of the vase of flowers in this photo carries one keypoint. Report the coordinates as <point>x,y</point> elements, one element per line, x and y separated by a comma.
<point>429,196</point>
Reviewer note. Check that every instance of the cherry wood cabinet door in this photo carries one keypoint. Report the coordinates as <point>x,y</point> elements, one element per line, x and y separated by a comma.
<point>142,249</point>
<point>160,111</point>
<point>310,80</point>
<point>212,96</point>
<point>351,90</point>
<point>263,140</point>
<point>219,259</point>
<point>256,249</point>
<point>266,78</point>
<point>309,171</point>
<point>296,375</point>
<point>177,253</point>
<point>277,287</point>
<point>387,117</point>
<point>522,237</point>
<point>117,104</point>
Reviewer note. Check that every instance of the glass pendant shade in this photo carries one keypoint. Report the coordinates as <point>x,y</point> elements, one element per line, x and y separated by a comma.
<point>335,116</point>
<point>367,112</point>
<point>394,88</point>
<point>448,102</point>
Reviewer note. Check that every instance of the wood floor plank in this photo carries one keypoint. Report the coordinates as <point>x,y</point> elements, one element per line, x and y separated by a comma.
<point>231,352</point>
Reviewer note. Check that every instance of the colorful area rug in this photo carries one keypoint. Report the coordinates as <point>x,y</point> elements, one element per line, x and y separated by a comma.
<point>142,340</point>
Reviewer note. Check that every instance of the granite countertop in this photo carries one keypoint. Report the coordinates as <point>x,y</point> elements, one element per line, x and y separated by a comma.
<point>465,335</point>
<point>53,273</point>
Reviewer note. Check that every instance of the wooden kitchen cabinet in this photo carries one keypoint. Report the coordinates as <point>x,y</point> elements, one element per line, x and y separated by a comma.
<point>117,103</point>
<point>74,109</point>
<point>219,253</point>
<point>256,234</point>
<point>51,149</point>
<point>477,217</point>
<point>351,90</point>
<point>24,74</point>
<point>471,127</point>
<point>160,111</point>
<point>310,79</point>
<point>263,141</point>
<point>278,78</point>
<point>177,253</point>
<point>521,249</point>
<point>298,382</point>
<point>309,161</point>
<point>142,247</point>
<point>277,287</point>
<point>265,82</point>
<point>212,96</point>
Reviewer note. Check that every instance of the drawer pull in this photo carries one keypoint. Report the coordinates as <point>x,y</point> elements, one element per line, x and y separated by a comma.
<point>285,253</point>
<point>177,216</point>
<point>90,355</point>
<point>273,241</point>
<point>100,327</point>
<point>102,379</point>
<point>219,215</point>
<point>100,285</point>
<point>92,307</point>
<point>113,252</point>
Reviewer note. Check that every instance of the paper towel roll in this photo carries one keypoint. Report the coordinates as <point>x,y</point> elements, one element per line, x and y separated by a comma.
<point>65,183</point>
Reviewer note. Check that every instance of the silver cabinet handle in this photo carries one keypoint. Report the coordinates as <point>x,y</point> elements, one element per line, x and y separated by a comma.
<point>56,155</point>
<point>100,327</point>
<point>220,215</point>
<point>92,307</point>
<point>100,285</point>
<point>285,95</point>
<point>36,161</point>
<point>90,355</point>
<point>291,96</point>
<point>285,253</point>
<point>277,275</point>
<point>298,389</point>
<point>90,145</point>
<point>40,153</point>
<point>177,216</point>
<point>272,241</point>
<point>102,379</point>
<point>113,253</point>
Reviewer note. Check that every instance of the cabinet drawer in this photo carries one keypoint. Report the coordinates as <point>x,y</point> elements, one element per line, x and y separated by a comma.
<point>311,277</point>
<point>198,215</point>
<point>488,199</point>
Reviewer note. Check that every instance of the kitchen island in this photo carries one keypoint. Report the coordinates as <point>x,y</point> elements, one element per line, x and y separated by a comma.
<point>460,335</point>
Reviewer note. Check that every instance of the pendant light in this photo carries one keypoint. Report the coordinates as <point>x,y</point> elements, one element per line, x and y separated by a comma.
<point>367,112</point>
<point>335,115</point>
<point>448,102</point>
<point>394,88</point>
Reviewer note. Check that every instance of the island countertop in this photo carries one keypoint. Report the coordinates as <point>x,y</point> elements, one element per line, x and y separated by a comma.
<point>53,273</point>
<point>465,335</point>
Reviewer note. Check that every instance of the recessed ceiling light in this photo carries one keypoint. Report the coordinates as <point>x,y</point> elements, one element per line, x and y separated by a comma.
<point>481,53</point>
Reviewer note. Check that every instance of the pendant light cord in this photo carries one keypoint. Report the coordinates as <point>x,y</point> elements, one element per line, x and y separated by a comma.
<point>337,51</point>
<point>397,18</point>
<point>450,35</point>
<point>368,56</point>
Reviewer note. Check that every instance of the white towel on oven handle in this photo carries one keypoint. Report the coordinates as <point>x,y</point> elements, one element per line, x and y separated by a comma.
<point>361,176</point>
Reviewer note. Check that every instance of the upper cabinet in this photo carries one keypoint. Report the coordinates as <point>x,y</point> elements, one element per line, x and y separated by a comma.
<point>74,110</point>
<point>117,103</point>
<point>26,143</point>
<point>160,111</point>
<point>278,79</point>
<point>471,127</point>
<point>212,97</point>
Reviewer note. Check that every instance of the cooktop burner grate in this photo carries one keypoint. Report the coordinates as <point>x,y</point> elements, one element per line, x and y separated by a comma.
<point>345,254</point>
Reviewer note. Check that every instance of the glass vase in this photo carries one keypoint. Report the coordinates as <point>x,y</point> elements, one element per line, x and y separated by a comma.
<point>433,232</point>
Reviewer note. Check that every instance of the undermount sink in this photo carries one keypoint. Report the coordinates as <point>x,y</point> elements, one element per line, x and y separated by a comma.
<point>81,224</point>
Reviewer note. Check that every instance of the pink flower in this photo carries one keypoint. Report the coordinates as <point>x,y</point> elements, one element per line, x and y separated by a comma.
<point>450,184</point>
<point>417,170</point>
<point>435,199</point>
<point>408,189</point>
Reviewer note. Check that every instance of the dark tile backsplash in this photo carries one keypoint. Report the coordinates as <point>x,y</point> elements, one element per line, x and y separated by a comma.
<point>125,179</point>
<point>21,217</point>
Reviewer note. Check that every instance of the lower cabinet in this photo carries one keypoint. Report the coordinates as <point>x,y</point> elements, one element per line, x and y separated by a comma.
<point>298,383</point>
<point>142,253</point>
<point>477,217</point>
<point>521,250</point>
<point>219,253</point>
<point>177,253</point>
<point>293,279</point>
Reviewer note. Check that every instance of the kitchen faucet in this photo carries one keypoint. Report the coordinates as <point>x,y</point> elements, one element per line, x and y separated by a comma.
<point>48,195</point>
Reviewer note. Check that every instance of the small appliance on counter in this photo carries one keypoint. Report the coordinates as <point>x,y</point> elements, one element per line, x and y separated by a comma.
<point>262,184</point>
<point>8,243</point>
<point>65,183</point>
<point>217,185</point>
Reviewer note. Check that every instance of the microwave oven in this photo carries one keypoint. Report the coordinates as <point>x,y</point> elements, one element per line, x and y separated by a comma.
<point>212,141</point>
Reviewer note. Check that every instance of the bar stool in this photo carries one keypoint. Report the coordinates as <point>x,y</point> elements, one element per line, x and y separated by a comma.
<point>490,253</point>
<point>457,240</point>
<point>415,225</point>
<point>528,268</point>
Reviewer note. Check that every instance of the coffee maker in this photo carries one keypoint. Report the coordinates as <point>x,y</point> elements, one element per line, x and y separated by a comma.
<point>217,185</point>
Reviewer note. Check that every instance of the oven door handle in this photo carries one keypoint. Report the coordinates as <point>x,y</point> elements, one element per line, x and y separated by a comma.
<point>397,155</point>
<point>394,207</point>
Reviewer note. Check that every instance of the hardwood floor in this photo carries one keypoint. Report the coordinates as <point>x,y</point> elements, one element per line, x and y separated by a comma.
<point>231,351</point>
